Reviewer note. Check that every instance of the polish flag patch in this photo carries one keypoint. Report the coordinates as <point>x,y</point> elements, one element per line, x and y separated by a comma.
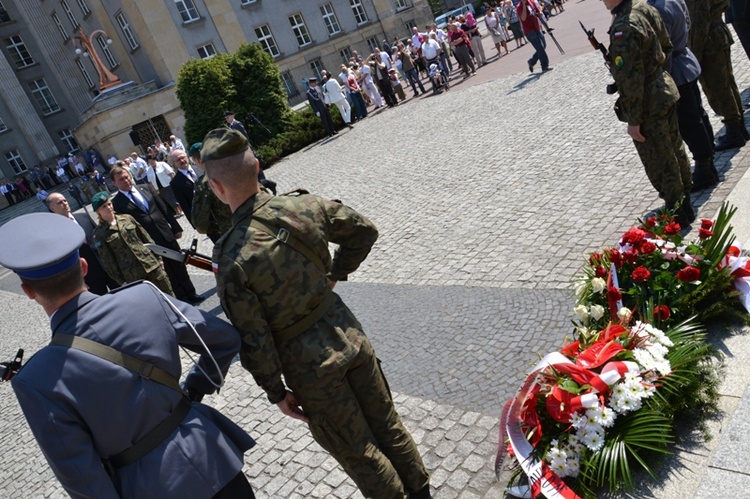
<point>215,267</point>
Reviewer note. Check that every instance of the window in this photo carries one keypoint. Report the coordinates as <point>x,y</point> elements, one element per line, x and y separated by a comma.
<point>3,127</point>
<point>69,13</point>
<point>409,25</point>
<point>43,96</point>
<point>60,27</point>
<point>346,54</point>
<point>401,4</point>
<point>70,142</point>
<point>84,7</point>
<point>372,43</point>
<point>300,31</point>
<point>206,51</point>
<point>15,161</point>
<point>127,33</point>
<point>18,52</point>
<point>85,73</point>
<point>104,45</point>
<point>359,11</point>
<point>265,38</point>
<point>289,86</point>
<point>317,68</point>
<point>329,18</point>
<point>187,10</point>
<point>4,17</point>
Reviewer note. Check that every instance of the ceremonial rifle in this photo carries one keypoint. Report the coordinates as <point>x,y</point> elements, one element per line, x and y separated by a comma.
<point>540,16</point>
<point>612,87</point>
<point>11,368</point>
<point>186,256</point>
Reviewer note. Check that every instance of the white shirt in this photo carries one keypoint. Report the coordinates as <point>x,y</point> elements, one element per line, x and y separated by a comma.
<point>415,41</point>
<point>163,171</point>
<point>386,59</point>
<point>135,194</point>
<point>333,90</point>
<point>430,49</point>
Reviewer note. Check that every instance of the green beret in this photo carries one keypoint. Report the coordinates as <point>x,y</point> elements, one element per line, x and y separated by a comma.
<point>195,150</point>
<point>99,199</point>
<point>222,143</point>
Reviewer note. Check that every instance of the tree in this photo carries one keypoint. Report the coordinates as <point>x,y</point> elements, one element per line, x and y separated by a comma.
<point>245,82</point>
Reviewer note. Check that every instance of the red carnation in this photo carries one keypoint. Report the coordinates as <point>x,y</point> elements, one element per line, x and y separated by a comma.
<point>640,274</point>
<point>689,274</point>
<point>706,223</point>
<point>634,237</point>
<point>661,312</point>
<point>600,271</point>
<point>614,293</point>
<point>630,255</point>
<point>650,222</point>
<point>672,228</point>
<point>704,233</point>
<point>648,247</point>
<point>615,257</point>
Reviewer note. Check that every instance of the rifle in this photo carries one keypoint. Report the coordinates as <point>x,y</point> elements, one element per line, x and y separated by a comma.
<point>540,16</point>
<point>186,256</point>
<point>11,368</point>
<point>612,87</point>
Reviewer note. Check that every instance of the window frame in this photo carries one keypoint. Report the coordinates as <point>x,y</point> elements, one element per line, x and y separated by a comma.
<point>297,22</point>
<point>85,10</point>
<point>288,81</point>
<point>186,10</point>
<point>3,126</point>
<point>106,51</point>
<point>4,16</point>
<point>69,14</point>
<point>66,136</point>
<point>263,38</point>
<point>330,20</point>
<point>207,56</point>
<point>17,50</point>
<point>13,156</point>
<point>86,76</point>
<point>60,27</point>
<point>316,65</point>
<point>126,31</point>
<point>43,97</point>
<point>359,11</point>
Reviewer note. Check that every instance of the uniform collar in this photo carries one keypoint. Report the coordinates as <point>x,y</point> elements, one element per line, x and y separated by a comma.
<point>69,308</point>
<point>620,8</point>
<point>249,207</point>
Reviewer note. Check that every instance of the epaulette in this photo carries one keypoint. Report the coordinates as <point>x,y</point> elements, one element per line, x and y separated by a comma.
<point>296,192</point>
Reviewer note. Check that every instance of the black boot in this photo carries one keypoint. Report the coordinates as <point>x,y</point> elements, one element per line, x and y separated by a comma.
<point>745,133</point>
<point>705,175</point>
<point>733,137</point>
<point>424,493</point>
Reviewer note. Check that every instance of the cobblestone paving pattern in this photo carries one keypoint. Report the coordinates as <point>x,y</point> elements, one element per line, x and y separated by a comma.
<point>486,199</point>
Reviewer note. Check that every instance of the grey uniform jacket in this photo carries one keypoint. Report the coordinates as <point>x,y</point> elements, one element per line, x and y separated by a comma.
<point>681,64</point>
<point>81,408</point>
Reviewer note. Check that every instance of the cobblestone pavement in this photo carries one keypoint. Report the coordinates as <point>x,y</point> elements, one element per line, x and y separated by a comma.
<point>486,199</point>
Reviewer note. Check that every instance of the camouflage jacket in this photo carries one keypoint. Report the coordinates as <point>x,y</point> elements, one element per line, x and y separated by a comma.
<point>122,249</point>
<point>638,44</point>
<point>708,33</point>
<point>265,285</point>
<point>209,215</point>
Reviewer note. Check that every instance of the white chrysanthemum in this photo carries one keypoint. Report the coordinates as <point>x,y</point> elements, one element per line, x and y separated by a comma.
<point>577,420</point>
<point>573,467</point>
<point>560,467</point>
<point>644,358</point>
<point>581,312</point>
<point>607,418</point>
<point>618,390</point>
<point>574,445</point>
<point>593,415</point>
<point>648,391</point>
<point>664,367</point>
<point>658,351</point>
<point>635,387</point>
<point>553,443</point>
<point>556,454</point>
<point>596,311</point>
<point>630,376</point>
<point>598,284</point>
<point>594,440</point>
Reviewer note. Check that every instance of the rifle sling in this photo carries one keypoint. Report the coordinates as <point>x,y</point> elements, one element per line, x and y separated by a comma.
<point>286,237</point>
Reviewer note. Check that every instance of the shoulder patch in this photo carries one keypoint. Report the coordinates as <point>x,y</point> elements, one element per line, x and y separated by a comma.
<point>619,62</point>
<point>618,34</point>
<point>215,267</point>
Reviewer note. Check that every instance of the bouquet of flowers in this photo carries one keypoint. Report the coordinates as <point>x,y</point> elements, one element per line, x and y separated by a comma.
<point>605,401</point>
<point>652,265</point>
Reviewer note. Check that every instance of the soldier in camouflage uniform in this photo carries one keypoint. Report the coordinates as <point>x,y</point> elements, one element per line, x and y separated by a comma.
<point>648,97</point>
<point>209,215</point>
<point>710,41</point>
<point>120,242</point>
<point>275,280</point>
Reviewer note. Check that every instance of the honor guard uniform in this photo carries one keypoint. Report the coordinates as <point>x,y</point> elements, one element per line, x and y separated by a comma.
<point>103,399</point>
<point>274,278</point>
<point>639,44</point>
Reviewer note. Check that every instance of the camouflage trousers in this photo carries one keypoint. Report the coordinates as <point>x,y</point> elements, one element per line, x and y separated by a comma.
<point>159,277</point>
<point>717,80</point>
<point>664,158</point>
<point>353,418</point>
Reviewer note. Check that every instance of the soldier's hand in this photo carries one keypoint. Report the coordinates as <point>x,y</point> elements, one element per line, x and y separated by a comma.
<point>178,235</point>
<point>290,406</point>
<point>635,133</point>
<point>331,283</point>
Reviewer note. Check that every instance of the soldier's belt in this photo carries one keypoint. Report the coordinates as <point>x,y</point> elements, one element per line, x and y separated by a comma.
<point>288,333</point>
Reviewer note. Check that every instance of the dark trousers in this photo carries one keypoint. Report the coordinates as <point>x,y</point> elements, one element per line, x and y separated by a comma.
<point>358,103</point>
<point>325,117</point>
<point>238,488</point>
<point>412,76</point>
<point>536,39</point>
<point>178,275</point>
<point>692,119</point>
<point>386,90</point>
<point>742,28</point>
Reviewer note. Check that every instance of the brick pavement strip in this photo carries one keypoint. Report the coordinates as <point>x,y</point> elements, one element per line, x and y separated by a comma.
<point>487,199</point>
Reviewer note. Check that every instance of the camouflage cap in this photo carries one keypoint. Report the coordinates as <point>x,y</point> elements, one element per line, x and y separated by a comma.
<point>222,143</point>
<point>98,200</point>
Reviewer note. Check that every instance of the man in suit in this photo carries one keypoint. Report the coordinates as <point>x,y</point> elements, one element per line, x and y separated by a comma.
<point>104,400</point>
<point>183,183</point>
<point>151,212</point>
<point>97,278</point>
<point>319,107</point>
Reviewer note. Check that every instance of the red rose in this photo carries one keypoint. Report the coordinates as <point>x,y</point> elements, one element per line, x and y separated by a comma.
<point>595,258</point>
<point>634,237</point>
<point>689,274</point>
<point>650,222</point>
<point>661,312</point>
<point>614,293</point>
<point>630,255</point>
<point>672,228</point>
<point>640,274</point>
<point>648,247</point>
<point>615,257</point>
<point>706,223</point>
<point>704,233</point>
<point>600,271</point>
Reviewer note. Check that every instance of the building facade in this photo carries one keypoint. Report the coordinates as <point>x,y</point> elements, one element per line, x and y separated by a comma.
<point>52,102</point>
